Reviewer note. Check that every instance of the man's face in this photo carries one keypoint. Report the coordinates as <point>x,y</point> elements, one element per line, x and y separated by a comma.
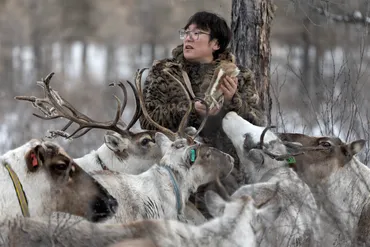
<point>197,46</point>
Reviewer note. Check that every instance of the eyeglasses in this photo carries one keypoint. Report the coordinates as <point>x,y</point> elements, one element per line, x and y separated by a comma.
<point>192,34</point>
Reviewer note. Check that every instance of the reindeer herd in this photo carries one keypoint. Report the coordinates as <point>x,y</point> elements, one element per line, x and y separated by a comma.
<point>134,190</point>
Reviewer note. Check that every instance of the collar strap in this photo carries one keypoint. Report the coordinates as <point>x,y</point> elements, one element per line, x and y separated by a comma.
<point>175,188</point>
<point>22,199</point>
<point>101,163</point>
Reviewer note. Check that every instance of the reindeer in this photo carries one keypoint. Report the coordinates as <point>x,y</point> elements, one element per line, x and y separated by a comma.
<point>125,149</point>
<point>235,224</point>
<point>39,178</point>
<point>340,183</point>
<point>297,223</point>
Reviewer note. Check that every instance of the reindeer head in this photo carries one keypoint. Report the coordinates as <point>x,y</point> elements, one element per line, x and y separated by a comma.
<point>52,181</point>
<point>136,147</point>
<point>322,156</point>
<point>198,163</point>
<point>257,147</point>
<point>213,95</point>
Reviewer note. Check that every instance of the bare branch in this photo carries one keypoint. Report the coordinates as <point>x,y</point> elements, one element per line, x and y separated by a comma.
<point>355,17</point>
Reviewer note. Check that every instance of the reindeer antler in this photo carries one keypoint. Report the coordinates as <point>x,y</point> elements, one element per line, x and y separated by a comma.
<point>54,106</point>
<point>274,156</point>
<point>181,129</point>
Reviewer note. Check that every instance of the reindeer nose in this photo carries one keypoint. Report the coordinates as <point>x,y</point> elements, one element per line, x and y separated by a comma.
<point>113,204</point>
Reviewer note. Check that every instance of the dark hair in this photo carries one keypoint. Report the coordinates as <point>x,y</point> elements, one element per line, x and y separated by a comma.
<point>216,25</point>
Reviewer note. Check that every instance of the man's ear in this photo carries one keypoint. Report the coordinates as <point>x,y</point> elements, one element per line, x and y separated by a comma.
<point>215,45</point>
<point>35,158</point>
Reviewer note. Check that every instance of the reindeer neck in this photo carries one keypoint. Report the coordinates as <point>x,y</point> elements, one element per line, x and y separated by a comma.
<point>278,173</point>
<point>342,194</point>
<point>91,162</point>
<point>175,180</point>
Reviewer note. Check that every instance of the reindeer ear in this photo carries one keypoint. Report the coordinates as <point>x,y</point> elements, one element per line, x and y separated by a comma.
<point>35,158</point>
<point>163,142</point>
<point>357,146</point>
<point>215,204</point>
<point>115,143</point>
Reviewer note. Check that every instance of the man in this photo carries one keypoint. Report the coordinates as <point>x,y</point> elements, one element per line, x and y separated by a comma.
<point>206,37</point>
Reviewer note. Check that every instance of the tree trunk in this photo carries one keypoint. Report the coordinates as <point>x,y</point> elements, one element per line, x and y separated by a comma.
<point>66,58</point>
<point>250,24</point>
<point>306,64</point>
<point>84,60</point>
<point>6,68</point>
<point>110,72</point>
<point>153,47</point>
<point>47,59</point>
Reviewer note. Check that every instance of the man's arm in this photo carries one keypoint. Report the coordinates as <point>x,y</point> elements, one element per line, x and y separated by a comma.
<point>245,102</point>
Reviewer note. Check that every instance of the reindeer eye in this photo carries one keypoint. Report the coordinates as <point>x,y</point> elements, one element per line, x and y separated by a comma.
<point>325,144</point>
<point>145,141</point>
<point>60,166</point>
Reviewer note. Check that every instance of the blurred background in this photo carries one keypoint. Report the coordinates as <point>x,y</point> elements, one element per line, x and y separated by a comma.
<point>319,64</point>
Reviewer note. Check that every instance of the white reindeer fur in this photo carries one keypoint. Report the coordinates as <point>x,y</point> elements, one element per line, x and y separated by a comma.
<point>297,224</point>
<point>342,197</point>
<point>233,226</point>
<point>35,185</point>
<point>151,193</point>
<point>133,164</point>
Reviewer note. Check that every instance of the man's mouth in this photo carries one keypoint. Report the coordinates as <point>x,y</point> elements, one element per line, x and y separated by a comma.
<point>188,47</point>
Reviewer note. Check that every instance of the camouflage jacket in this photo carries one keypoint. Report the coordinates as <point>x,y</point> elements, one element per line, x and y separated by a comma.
<point>166,102</point>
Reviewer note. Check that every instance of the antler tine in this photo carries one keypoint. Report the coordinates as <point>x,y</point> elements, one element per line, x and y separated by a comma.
<point>203,123</point>
<point>94,124</point>
<point>166,131</point>
<point>185,118</point>
<point>64,109</point>
<point>275,156</point>
<point>188,94</point>
<point>263,135</point>
<point>186,80</point>
<point>124,90</point>
<point>138,110</point>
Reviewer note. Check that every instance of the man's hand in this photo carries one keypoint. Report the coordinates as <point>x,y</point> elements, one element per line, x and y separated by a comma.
<point>229,87</point>
<point>201,109</point>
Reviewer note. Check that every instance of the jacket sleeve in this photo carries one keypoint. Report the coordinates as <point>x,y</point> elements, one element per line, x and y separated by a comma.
<point>165,100</point>
<point>246,100</point>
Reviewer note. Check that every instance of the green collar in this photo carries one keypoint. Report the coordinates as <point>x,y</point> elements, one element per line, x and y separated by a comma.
<point>291,161</point>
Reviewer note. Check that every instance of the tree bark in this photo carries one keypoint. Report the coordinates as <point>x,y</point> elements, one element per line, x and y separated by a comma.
<point>110,72</point>
<point>306,64</point>
<point>6,67</point>
<point>84,60</point>
<point>250,24</point>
